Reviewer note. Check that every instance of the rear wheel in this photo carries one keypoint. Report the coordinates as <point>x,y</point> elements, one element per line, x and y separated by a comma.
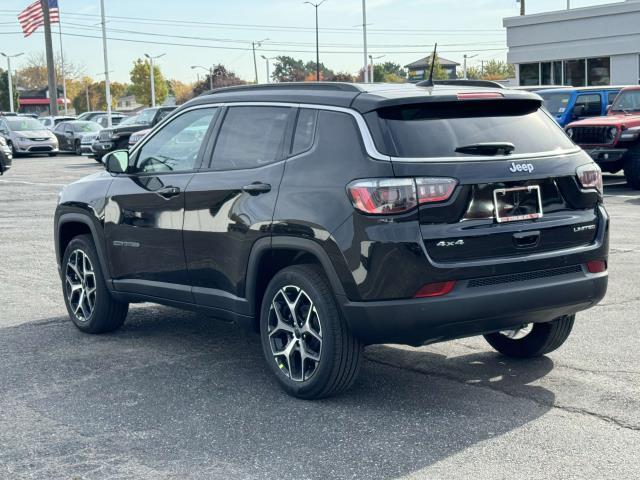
<point>53,154</point>
<point>532,340</point>
<point>89,303</point>
<point>632,167</point>
<point>305,340</point>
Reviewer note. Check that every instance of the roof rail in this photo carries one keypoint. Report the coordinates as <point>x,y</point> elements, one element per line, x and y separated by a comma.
<point>461,82</point>
<point>335,86</point>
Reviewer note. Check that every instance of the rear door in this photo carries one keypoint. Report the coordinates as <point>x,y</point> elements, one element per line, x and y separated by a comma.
<point>504,205</point>
<point>230,204</point>
<point>145,209</point>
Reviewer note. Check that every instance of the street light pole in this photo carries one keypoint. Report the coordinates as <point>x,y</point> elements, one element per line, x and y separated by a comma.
<point>364,35</point>
<point>107,84</point>
<point>372,73</point>
<point>464,65</point>
<point>316,5</point>
<point>153,83</point>
<point>210,70</point>
<point>266,59</point>
<point>10,80</point>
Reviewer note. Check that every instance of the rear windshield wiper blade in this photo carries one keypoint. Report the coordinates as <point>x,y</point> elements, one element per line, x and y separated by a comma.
<point>489,148</point>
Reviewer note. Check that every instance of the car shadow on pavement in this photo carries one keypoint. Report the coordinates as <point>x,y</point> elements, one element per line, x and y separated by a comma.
<point>175,393</point>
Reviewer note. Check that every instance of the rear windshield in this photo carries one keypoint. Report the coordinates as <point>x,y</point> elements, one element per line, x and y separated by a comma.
<point>555,102</point>
<point>437,129</point>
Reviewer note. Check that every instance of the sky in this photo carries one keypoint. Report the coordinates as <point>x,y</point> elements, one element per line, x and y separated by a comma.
<point>221,31</point>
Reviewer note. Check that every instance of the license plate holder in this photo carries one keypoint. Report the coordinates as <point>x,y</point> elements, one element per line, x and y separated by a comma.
<point>517,204</point>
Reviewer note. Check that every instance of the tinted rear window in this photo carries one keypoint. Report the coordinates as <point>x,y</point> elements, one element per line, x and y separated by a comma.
<point>436,130</point>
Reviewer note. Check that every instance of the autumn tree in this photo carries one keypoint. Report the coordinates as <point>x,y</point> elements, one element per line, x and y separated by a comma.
<point>182,91</point>
<point>34,74</point>
<point>141,82</point>
<point>492,70</point>
<point>222,77</point>
<point>288,69</point>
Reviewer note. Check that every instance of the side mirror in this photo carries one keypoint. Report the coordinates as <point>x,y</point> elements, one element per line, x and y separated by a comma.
<point>117,161</point>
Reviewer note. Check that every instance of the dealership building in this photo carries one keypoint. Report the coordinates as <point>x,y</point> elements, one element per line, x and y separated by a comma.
<point>582,46</point>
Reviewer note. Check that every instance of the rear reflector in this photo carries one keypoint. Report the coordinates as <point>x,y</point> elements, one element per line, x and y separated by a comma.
<point>596,266</point>
<point>478,95</point>
<point>385,196</point>
<point>435,289</point>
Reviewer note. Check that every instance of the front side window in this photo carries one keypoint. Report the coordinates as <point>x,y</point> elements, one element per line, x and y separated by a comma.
<point>611,96</point>
<point>588,105</point>
<point>627,101</point>
<point>146,116</point>
<point>250,137</point>
<point>175,147</point>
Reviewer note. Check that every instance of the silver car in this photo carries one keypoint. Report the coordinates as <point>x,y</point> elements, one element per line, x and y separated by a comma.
<point>25,135</point>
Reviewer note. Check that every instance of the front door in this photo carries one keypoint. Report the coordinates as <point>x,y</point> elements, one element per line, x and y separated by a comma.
<point>144,213</point>
<point>230,205</point>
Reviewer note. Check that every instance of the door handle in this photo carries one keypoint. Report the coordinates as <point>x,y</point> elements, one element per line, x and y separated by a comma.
<point>168,192</point>
<point>256,188</point>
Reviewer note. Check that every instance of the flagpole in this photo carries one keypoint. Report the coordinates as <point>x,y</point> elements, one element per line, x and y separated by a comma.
<point>64,80</point>
<point>51,71</point>
<point>107,85</point>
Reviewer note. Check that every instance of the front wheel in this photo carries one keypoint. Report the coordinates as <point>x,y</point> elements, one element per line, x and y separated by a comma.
<point>305,340</point>
<point>87,298</point>
<point>78,148</point>
<point>632,167</point>
<point>53,154</point>
<point>532,340</point>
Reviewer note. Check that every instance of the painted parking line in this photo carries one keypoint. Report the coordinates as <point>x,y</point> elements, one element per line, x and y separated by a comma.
<point>22,182</point>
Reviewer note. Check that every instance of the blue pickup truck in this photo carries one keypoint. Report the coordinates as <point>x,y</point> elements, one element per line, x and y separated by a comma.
<point>575,103</point>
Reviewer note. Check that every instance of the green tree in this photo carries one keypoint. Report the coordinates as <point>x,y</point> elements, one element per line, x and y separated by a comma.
<point>492,70</point>
<point>288,69</point>
<point>388,72</point>
<point>4,92</point>
<point>141,82</point>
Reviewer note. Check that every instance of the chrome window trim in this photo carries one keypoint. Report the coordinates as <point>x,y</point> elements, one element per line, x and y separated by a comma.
<point>365,134</point>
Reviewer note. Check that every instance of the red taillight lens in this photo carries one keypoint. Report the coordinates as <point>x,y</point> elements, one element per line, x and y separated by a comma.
<point>478,95</point>
<point>435,189</point>
<point>596,266</point>
<point>435,289</point>
<point>384,196</point>
<point>590,176</point>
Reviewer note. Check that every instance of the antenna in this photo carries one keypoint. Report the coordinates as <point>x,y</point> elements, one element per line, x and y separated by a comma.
<point>429,82</point>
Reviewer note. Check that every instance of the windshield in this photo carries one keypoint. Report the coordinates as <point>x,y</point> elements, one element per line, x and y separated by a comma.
<point>21,124</point>
<point>555,102</point>
<point>130,120</point>
<point>440,129</point>
<point>86,127</point>
<point>628,101</point>
<point>146,116</point>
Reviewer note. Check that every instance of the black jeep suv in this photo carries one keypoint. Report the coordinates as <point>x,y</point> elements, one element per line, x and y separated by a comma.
<point>332,216</point>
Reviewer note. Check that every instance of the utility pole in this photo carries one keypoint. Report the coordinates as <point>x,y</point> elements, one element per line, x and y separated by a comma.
<point>521,7</point>
<point>9,78</point>
<point>51,68</point>
<point>364,36</point>
<point>255,63</point>
<point>316,5</point>
<point>153,83</point>
<point>107,85</point>
<point>568,4</point>
<point>64,80</point>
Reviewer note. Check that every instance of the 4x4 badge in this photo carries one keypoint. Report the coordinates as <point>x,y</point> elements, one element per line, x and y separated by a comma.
<point>521,167</point>
<point>452,243</point>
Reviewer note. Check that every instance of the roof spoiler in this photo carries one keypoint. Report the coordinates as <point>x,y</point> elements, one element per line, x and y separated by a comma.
<point>462,83</point>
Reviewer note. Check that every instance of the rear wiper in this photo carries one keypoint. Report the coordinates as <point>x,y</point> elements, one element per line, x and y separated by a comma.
<point>489,148</point>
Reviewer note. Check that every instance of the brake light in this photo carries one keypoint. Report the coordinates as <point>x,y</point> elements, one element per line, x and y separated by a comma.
<point>437,289</point>
<point>384,196</point>
<point>590,176</point>
<point>596,266</point>
<point>478,95</point>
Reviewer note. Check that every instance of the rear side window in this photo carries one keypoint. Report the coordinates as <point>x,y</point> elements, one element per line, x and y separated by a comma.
<point>250,137</point>
<point>588,105</point>
<point>305,131</point>
<point>437,129</point>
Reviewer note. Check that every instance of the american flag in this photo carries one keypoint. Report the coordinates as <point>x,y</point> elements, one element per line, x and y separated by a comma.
<point>32,18</point>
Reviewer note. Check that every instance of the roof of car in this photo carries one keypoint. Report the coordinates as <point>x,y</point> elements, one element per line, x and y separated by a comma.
<point>359,96</point>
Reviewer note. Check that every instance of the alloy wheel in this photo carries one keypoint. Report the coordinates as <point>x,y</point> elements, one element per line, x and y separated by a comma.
<point>295,333</point>
<point>80,285</point>
<point>518,333</point>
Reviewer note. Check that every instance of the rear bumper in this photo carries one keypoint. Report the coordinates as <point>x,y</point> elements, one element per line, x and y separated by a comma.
<point>606,155</point>
<point>469,311</point>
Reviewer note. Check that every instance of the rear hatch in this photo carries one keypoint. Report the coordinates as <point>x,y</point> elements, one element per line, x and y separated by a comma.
<point>517,190</point>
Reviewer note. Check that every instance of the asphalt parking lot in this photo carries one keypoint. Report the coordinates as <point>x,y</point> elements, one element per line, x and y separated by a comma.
<point>178,395</point>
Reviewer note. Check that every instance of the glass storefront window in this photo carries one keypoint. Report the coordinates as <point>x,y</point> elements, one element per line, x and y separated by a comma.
<point>557,73</point>
<point>598,71</point>
<point>574,73</point>
<point>545,73</point>
<point>529,74</point>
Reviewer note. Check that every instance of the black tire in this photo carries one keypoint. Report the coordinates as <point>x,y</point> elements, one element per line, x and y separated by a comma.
<point>13,149</point>
<point>53,154</point>
<point>632,167</point>
<point>339,354</point>
<point>543,338</point>
<point>107,314</point>
<point>78,147</point>
<point>98,158</point>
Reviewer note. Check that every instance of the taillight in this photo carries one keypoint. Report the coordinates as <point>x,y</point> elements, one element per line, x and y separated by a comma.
<point>478,95</point>
<point>384,196</point>
<point>437,289</point>
<point>590,176</point>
